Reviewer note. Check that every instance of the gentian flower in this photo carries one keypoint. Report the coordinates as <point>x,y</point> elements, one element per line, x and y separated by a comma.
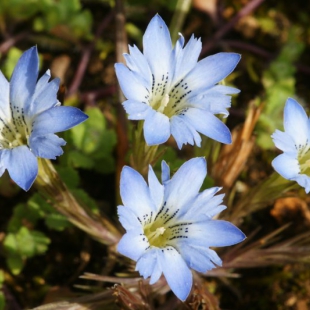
<point>294,163</point>
<point>169,226</point>
<point>172,92</point>
<point>29,116</point>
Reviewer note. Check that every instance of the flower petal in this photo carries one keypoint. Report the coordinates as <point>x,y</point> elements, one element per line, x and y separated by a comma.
<point>165,172</point>
<point>47,146</point>
<point>197,257</point>
<point>156,128</point>
<point>214,233</point>
<point>132,86</point>
<point>178,275</point>
<point>5,112</point>
<point>183,132</point>
<point>137,62</point>
<point>21,164</point>
<point>211,70</point>
<point>156,189</point>
<point>296,122</point>
<point>284,142</point>
<point>127,218</point>
<point>287,166</point>
<point>24,78</point>
<point>157,46</point>
<point>208,124</point>
<point>185,184</point>
<point>147,265</point>
<point>187,58</point>
<point>136,109</point>
<point>45,97</point>
<point>57,119</point>
<point>135,192</point>
<point>304,181</point>
<point>133,244</point>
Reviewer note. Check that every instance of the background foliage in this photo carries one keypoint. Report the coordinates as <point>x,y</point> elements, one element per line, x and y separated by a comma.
<point>42,255</point>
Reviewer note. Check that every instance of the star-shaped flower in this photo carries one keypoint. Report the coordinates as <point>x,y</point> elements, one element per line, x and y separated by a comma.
<point>29,116</point>
<point>169,227</point>
<point>172,92</point>
<point>294,163</point>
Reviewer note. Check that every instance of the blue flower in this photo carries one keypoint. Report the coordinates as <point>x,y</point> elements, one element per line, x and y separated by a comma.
<point>169,227</point>
<point>294,163</point>
<point>29,116</point>
<point>172,92</point>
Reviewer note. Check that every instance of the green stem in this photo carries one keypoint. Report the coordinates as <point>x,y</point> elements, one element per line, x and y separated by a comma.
<point>143,154</point>
<point>178,18</point>
<point>52,188</point>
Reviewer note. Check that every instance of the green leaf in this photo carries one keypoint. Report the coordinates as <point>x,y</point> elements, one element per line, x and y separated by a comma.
<point>26,243</point>
<point>57,221</point>
<point>2,301</point>
<point>94,144</point>
<point>69,175</point>
<point>15,264</point>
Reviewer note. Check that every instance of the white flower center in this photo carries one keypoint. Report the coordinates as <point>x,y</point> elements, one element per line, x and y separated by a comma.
<point>168,99</point>
<point>163,229</point>
<point>14,132</point>
<point>304,158</point>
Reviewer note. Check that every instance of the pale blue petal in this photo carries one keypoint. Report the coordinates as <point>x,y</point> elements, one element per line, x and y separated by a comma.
<point>224,90</point>
<point>5,112</point>
<point>178,275</point>
<point>21,164</point>
<point>45,97</point>
<point>47,146</point>
<point>207,124</point>
<point>127,218</point>
<point>196,257</point>
<point>183,132</point>
<point>157,271</point>
<point>304,181</point>
<point>57,119</point>
<point>213,102</point>
<point>296,122</point>
<point>284,142</point>
<point>165,172</point>
<point>133,244</point>
<point>148,263</point>
<point>205,204</point>
<point>214,233</point>
<point>132,86</point>
<point>212,70</point>
<point>24,78</point>
<point>156,189</point>
<point>156,128</point>
<point>135,192</point>
<point>2,167</point>
<point>157,46</point>
<point>137,62</point>
<point>185,184</point>
<point>136,109</point>
<point>186,59</point>
<point>287,166</point>
<point>42,82</point>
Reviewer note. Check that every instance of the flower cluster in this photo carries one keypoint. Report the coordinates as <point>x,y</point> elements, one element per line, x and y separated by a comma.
<point>169,226</point>
<point>294,163</point>
<point>172,92</point>
<point>30,115</point>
